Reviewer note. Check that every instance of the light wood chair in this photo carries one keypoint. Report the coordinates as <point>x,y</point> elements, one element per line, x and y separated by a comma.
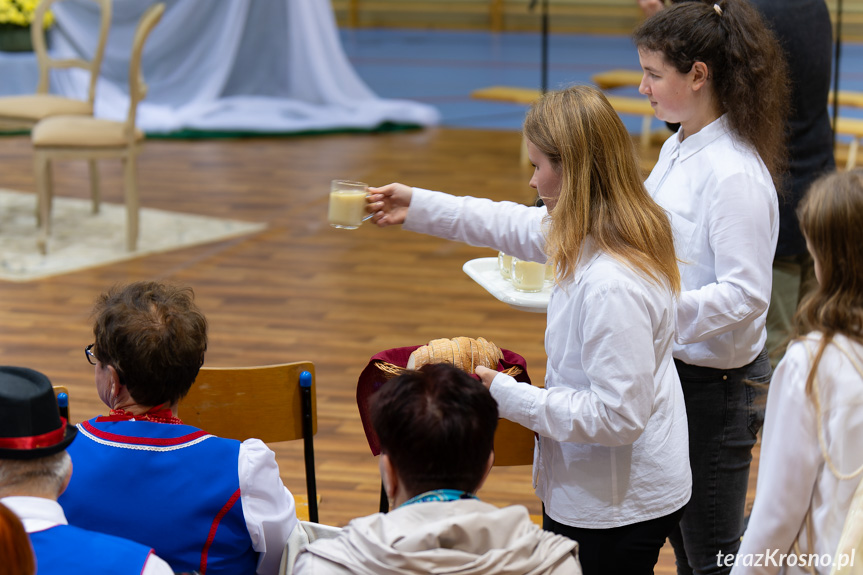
<point>23,112</point>
<point>849,126</point>
<point>638,106</point>
<point>514,445</point>
<point>619,78</point>
<point>635,105</point>
<point>62,395</point>
<point>272,403</point>
<point>83,137</point>
<point>516,95</point>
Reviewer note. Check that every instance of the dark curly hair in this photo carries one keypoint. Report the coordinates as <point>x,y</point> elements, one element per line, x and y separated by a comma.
<point>154,336</point>
<point>744,58</point>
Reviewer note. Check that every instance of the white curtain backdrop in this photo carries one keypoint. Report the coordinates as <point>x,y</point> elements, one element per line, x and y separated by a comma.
<point>232,65</point>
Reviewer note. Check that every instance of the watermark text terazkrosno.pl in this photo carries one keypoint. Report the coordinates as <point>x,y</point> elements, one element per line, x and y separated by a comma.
<point>773,558</point>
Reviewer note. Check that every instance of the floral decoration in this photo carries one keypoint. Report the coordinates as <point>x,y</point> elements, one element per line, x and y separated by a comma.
<point>19,13</point>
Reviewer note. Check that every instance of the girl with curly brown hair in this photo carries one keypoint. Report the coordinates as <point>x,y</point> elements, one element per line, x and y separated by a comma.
<point>718,71</point>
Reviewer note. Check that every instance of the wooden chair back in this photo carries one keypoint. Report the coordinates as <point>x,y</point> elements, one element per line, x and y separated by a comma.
<point>243,402</point>
<point>62,403</point>
<point>98,139</point>
<point>137,86</point>
<point>272,403</point>
<point>513,444</point>
<point>46,63</point>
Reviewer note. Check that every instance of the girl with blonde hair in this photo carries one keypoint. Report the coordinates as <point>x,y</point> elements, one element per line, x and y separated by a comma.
<point>612,408</point>
<point>811,459</point>
<point>717,70</point>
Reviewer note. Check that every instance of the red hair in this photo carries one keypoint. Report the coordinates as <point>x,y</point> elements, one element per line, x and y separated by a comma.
<point>15,546</point>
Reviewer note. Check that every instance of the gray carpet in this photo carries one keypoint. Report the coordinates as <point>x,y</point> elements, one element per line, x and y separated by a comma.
<point>80,239</point>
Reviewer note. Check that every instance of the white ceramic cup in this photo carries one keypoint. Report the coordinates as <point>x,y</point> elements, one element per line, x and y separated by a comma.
<point>347,204</point>
<point>527,276</point>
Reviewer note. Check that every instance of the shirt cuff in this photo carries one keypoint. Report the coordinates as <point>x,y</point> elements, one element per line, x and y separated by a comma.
<point>516,400</point>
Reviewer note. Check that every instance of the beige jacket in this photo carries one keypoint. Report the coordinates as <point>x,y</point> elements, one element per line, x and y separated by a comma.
<point>466,537</point>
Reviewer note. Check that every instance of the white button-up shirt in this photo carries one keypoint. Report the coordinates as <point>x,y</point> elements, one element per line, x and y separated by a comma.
<point>613,446</point>
<point>725,214</point>
<point>792,473</point>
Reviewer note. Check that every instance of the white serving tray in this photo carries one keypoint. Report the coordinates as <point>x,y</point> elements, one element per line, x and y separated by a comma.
<point>484,271</point>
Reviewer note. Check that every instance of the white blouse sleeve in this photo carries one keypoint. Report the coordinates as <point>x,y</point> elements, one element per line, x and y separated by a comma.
<point>788,469</point>
<point>614,409</point>
<point>268,506</point>
<point>155,565</point>
<point>506,226</point>
<point>742,237</point>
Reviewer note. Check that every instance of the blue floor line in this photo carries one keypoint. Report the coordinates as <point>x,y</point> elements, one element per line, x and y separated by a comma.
<point>442,68</point>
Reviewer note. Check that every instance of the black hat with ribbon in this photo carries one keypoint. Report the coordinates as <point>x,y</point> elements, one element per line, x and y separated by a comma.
<point>30,422</point>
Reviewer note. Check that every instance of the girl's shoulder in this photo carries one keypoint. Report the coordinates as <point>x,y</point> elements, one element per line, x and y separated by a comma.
<point>737,157</point>
<point>839,343</point>
<point>608,273</point>
<point>841,354</point>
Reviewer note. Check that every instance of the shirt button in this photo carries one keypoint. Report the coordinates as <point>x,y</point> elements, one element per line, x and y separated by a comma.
<point>724,377</point>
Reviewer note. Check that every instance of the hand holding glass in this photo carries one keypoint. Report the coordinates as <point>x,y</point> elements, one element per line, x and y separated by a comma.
<point>348,204</point>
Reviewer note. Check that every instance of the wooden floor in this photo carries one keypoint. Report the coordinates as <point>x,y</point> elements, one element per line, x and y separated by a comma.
<point>300,289</point>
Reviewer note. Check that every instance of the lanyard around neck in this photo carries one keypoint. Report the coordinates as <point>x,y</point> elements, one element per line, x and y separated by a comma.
<point>440,495</point>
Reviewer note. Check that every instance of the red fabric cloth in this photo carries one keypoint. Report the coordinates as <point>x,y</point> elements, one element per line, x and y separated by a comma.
<point>372,378</point>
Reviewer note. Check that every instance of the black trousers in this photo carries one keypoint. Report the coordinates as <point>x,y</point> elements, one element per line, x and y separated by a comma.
<point>627,550</point>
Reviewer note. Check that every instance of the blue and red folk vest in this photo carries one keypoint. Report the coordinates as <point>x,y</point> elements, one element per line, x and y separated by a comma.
<point>172,487</point>
<point>68,550</point>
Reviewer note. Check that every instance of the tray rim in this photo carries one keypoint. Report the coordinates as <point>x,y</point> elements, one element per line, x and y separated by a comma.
<point>480,270</point>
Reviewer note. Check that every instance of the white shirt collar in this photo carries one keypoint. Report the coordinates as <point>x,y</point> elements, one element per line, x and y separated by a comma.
<point>36,513</point>
<point>694,143</point>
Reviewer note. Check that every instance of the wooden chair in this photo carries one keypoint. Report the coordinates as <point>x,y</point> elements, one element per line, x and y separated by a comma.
<point>638,106</point>
<point>271,403</point>
<point>83,137</point>
<point>849,126</point>
<point>516,95</point>
<point>619,78</point>
<point>62,395</point>
<point>23,112</point>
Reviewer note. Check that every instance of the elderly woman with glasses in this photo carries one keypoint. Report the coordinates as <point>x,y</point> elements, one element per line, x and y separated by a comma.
<point>204,503</point>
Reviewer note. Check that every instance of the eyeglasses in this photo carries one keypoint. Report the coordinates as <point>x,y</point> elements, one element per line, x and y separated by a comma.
<point>91,358</point>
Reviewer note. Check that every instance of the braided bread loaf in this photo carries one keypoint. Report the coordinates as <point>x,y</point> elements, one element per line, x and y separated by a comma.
<point>463,352</point>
